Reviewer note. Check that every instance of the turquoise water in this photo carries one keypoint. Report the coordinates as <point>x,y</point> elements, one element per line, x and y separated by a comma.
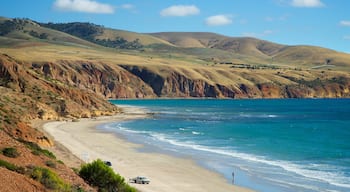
<point>270,145</point>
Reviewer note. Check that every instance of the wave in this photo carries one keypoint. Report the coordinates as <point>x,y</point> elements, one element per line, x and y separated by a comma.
<point>334,178</point>
<point>196,133</point>
<point>112,127</point>
<point>258,115</point>
<point>315,172</point>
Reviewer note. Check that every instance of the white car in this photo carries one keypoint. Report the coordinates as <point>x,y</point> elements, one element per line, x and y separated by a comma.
<point>140,180</point>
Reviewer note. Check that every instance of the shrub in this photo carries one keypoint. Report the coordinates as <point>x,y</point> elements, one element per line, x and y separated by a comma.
<point>77,188</point>
<point>49,179</point>
<point>12,167</point>
<point>8,165</point>
<point>98,174</point>
<point>50,164</point>
<point>10,152</point>
<point>37,150</point>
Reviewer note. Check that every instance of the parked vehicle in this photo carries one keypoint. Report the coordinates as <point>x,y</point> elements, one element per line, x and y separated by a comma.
<point>108,163</point>
<point>140,180</point>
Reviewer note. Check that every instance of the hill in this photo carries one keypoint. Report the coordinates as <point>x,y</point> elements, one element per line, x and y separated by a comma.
<point>256,51</point>
<point>68,71</point>
<point>25,32</point>
<point>208,47</point>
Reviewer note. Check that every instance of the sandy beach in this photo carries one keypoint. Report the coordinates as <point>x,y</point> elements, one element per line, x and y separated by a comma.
<point>167,173</point>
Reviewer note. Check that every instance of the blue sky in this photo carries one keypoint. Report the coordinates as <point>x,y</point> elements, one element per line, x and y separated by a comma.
<point>324,23</point>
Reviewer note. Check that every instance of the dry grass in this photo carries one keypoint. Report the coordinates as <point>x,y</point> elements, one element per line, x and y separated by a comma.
<point>130,36</point>
<point>172,48</point>
<point>188,66</point>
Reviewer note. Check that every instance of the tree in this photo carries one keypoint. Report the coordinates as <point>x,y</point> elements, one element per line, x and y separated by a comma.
<point>98,174</point>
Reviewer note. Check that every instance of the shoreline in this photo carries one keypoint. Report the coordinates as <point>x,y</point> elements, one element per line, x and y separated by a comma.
<point>82,141</point>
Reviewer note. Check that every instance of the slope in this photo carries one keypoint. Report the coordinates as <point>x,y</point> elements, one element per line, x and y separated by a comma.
<point>254,51</point>
<point>25,32</point>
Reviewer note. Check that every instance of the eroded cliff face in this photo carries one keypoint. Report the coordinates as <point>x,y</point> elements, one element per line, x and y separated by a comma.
<point>108,81</point>
<point>171,83</point>
<point>26,94</point>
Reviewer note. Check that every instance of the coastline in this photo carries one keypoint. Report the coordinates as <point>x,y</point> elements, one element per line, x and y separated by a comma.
<point>81,141</point>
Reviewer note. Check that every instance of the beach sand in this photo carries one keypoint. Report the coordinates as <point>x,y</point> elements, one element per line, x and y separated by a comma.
<point>81,141</point>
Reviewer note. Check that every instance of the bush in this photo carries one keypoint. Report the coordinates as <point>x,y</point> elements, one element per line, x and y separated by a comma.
<point>49,179</point>
<point>37,150</point>
<point>8,165</point>
<point>12,167</point>
<point>10,152</point>
<point>98,174</point>
<point>50,164</point>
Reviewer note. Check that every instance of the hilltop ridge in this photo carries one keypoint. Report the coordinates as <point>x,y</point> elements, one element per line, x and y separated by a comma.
<point>201,45</point>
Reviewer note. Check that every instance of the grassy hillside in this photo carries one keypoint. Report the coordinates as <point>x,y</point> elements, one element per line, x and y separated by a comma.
<point>105,36</point>
<point>190,39</point>
<point>78,41</point>
<point>24,32</point>
<point>254,51</point>
<point>209,47</point>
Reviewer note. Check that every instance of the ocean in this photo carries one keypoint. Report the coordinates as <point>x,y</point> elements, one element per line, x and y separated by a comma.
<point>273,145</point>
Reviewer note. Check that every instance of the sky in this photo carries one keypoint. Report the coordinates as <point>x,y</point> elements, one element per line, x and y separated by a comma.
<point>324,23</point>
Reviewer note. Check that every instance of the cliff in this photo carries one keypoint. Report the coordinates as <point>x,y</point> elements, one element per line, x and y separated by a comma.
<point>243,83</point>
<point>26,94</point>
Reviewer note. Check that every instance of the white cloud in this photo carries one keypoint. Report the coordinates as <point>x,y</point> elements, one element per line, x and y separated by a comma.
<point>180,11</point>
<point>345,23</point>
<point>87,6</point>
<point>347,37</point>
<point>307,3</point>
<point>218,20</point>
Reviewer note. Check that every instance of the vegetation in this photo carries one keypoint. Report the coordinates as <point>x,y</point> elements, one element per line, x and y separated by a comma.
<point>51,164</point>
<point>10,152</point>
<point>10,25</point>
<point>89,31</point>
<point>119,43</point>
<point>49,179</point>
<point>37,35</point>
<point>83,30</point>
<point>45,176</point>
<point>9,166</point>
<point>98,174</point>
<point>37,150</point>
